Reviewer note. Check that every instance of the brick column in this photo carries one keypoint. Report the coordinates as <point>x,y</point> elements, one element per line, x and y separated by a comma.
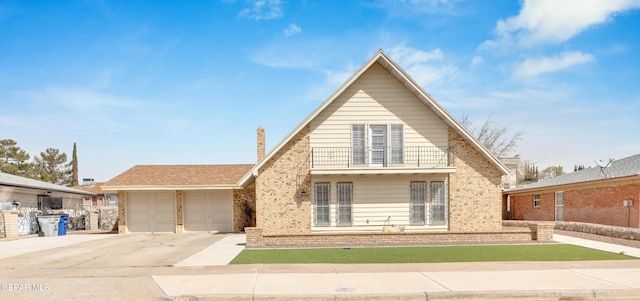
<point>93,221</point>
<point>179,211</point>
<point>122,212</point>
<point>543,231</point>
<point>254,237</point>
<point>11,224</point>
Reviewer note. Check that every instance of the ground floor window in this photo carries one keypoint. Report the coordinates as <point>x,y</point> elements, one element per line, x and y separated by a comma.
<point>417,214</point>
<point>438,208</point>
<point>345,198</point>
<point>536,200</point>
<point>322,203</point>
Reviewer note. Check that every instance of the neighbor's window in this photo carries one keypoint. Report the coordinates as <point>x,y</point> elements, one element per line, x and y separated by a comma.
<point>321,204</point>
<point>345,199</point>
<point>536,200</point>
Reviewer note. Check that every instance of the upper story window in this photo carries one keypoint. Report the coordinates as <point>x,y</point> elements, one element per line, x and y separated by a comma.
<point>377,144</point>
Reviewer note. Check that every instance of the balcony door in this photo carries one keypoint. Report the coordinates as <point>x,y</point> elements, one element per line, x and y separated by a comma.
<point>378,145</point>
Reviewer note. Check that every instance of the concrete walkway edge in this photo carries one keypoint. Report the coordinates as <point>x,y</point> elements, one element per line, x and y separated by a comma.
<point>586,295</point>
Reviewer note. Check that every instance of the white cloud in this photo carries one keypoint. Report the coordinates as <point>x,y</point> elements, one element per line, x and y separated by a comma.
<point>78,99</point>
<point>536,66</point>
<point>553,21</point>
<point>406,56</point>
<point>476,60</point>
<point>263,10</point>
<point>413,7</point>
<point>293,29</point>
<point>425,67</point>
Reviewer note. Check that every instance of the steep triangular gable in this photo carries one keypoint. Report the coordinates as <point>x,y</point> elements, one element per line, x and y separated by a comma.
<point>383,59</point>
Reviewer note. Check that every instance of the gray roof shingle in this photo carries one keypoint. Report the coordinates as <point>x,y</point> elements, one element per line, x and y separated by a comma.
<point>628,166</point>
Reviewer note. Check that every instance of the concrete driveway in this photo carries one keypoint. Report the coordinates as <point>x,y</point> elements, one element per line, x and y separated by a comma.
<point>95,266</point>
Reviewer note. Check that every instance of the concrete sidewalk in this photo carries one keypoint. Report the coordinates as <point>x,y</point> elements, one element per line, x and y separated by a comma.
<point>461,281</point>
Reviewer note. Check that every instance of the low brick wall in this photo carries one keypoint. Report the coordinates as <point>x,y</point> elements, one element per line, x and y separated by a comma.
<point>9,224</point>
<point>255,238</point>
<point>603,230</point>
<point>542,231</point>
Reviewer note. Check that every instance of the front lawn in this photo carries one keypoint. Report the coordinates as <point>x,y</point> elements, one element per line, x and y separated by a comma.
<point>550,252</point>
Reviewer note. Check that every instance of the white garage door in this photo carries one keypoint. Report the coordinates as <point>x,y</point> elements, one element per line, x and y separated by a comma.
<point>208,210</point>
<point>151,211</point>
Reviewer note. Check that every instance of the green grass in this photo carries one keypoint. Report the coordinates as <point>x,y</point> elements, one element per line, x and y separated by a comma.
<point>552,252</point>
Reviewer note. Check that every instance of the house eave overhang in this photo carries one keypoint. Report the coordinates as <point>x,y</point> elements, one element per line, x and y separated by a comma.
<point>49,189</point>
<point>172,187</point>
<point>382,171</point>
<point>565,186</point>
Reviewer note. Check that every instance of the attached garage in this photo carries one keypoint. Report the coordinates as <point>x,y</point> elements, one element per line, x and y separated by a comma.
<point>179,198</point>
<point>208,210</point>
<point>151,211</point>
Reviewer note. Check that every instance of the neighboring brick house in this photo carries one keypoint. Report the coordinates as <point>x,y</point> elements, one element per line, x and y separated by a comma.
<point>607,196</point>
<point>179,198</point>
<point>101,197</point>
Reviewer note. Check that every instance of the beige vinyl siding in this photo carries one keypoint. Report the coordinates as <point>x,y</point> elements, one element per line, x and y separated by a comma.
<point>376,200</point>
<point>377,98</point>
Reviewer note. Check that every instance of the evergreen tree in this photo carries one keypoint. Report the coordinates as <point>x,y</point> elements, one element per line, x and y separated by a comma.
<point>74,167</point>
<point>53,167</point>
<point>13,159</point>
<point>531,173</point>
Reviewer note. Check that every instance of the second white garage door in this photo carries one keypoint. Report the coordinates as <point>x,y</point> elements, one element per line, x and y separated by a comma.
<point>151,211</point>
<point>208,210</point>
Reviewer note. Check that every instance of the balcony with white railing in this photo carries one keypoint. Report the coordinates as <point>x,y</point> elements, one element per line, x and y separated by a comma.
<point>408,159</point>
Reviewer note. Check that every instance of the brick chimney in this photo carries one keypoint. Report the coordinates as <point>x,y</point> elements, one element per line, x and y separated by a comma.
<point>261,142</point>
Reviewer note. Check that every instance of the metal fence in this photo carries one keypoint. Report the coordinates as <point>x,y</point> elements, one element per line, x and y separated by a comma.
<point>28,221</point>
<point>375,157</point>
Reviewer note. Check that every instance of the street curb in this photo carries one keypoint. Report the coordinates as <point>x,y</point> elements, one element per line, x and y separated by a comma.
<point>616,294</point>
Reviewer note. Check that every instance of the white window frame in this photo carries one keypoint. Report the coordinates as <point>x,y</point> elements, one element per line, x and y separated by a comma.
<point>372,149</point>
<point>396,153</point>
<point>344,206</point>
<point>362,150</point>
<point>358,152</point>
<point>536,200</point>
<point>318,203</point>
<point>438,204</point>
<point>417,207</point>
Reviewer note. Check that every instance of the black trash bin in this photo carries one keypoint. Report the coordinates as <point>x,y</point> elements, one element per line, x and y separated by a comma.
<point>62,225</point>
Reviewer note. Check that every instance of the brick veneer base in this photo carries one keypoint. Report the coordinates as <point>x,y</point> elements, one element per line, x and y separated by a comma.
<point>255,238</point>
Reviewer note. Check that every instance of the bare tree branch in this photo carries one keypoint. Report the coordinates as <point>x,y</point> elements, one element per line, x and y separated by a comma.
<point>494,137</point>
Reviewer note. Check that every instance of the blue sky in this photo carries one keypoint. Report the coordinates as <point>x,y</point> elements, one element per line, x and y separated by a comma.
<point>188,82</point>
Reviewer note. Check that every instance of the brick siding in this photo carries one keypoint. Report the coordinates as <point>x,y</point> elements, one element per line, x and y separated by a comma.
<point>122,212</point>
<point>475,200</point>
<point>597,205</point>
<point>279,207</point>
<point>242,198</point>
